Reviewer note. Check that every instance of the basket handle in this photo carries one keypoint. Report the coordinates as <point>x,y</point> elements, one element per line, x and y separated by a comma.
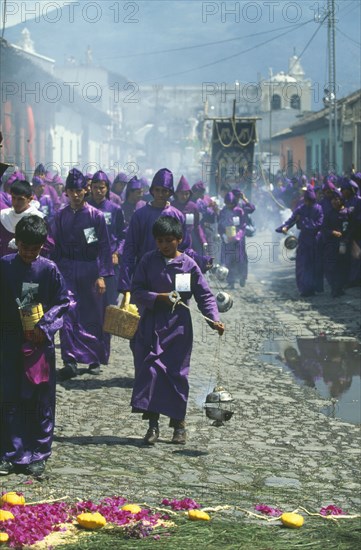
<point>126,301</point>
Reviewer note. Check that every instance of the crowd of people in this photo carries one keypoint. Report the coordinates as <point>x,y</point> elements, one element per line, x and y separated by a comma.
<point>73,246</point>
<point>327,215</point>
<point>70,248</point>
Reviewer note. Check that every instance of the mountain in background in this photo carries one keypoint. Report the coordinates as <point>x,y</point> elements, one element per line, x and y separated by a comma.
<point>125,36</point>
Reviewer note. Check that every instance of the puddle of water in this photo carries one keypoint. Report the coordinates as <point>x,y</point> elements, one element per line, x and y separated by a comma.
<point>332,367</point>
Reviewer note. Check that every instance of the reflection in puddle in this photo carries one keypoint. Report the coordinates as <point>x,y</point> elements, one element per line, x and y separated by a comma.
<point>332,367</point>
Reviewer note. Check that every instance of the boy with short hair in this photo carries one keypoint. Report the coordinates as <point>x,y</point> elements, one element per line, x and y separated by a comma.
<point>27,384</point>
<point>163,342</point>
<point>22,205</point>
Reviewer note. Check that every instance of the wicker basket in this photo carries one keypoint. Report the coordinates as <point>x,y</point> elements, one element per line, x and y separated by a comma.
<point>30,315</point>
<point>120,322</point>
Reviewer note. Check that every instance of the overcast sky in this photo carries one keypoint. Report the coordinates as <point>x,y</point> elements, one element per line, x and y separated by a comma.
<point>192,41</point>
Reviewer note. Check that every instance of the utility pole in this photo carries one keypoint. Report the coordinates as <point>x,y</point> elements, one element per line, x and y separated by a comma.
<point>332,146</point>
<point>270,122</point>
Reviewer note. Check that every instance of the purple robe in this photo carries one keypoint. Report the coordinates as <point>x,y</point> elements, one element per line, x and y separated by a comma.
<point>129,208</point>
<point>208,224</point>
<point>128,211</point>
<point>82,253</point>
<point>335,264</point>
<point>5,200</point>
<point>192,219</point>
<point>162,345</point>
<point>309,272</point>
<point>233,254</point>
<point>139,239</point>
<point>115,198</point>
<point>353,205</point>
<point>46,206</point>
<point>28,410</point>
<point>51,192</point>
<point>114,220</point>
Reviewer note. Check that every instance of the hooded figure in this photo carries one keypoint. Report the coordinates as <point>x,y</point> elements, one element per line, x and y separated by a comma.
<point>133,199</point>
<point>308,218</point>
<point>139,238</point>
<point>163,178</point>
<point>83,254</point>
<point>182,201</point>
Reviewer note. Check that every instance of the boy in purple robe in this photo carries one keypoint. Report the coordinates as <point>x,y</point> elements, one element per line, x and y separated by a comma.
<point>45,175</point>
<point>232,228</point>
<point>352,201</point>
<point>335,239</point>
<point>163,342</point>
<point>118,186</point>
<point>139,238</point>
<point>46,205</point>
<point>83,255</point>
<point>133,198</point>
<point>58,184</point>
<point>308,218</point>
<point>182,201</point>
<point>27,388</point>
<point>22,205</point>
<point>114,219</point>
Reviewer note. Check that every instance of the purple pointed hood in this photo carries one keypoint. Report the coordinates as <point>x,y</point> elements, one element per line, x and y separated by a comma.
<point>133,184</point>
<point>75,180</point>
<point>183,185</point>
<point>163,178</point>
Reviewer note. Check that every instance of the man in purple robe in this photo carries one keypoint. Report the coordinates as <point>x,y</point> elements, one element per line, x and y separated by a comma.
<point>352,201</point>
<point>114,219</point>
<point>139,238</point>
<point>133,199</point>
<point>208,209</point>
<point>335,233</point>
<point>232,228</point>
<point>45,175</point>
<point>308,218</point>
<point>118,186</point>
<point>22,205</point>
<point>183,201</point>
<point>83,255</point>
<point>27,384</point>
<point>163,342</point>
<point>46,204</point>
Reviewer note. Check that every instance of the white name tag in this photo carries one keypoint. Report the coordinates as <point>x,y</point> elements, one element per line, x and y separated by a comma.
<point>108,217</point>
<point>235,220</point>
<point>90,235</point>
<point>183,282</point>
<point>189,219</point>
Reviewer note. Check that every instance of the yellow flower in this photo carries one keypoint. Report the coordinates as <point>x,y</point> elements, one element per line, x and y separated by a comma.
<point>5,515</point>
<point>132,508</point>
<point>290,519</point>
<point>4,537</point>
<point>12,498</point>
<point>198,515</point>
<point>91,521</point>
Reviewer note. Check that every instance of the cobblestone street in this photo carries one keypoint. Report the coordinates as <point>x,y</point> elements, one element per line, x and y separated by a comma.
<point>278,448</point>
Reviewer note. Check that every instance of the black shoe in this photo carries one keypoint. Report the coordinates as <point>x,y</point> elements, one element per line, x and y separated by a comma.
<point>69,371</point>
<point>6,468</point>
<point>151,436</point>
<point>94,368</point>
<point>179,436</point>
<point>35,469</point>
